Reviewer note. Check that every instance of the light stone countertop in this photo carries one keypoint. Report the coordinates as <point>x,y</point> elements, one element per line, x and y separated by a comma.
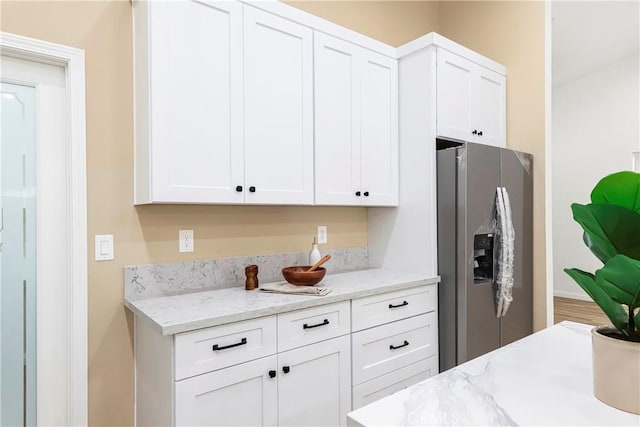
<point>544,379</point>
<point>187,312</point>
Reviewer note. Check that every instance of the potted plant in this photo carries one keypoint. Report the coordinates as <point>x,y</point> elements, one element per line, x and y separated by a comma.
<point>611,224</point>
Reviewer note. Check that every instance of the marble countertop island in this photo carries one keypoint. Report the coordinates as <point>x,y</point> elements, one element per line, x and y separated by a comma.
<point>543,379</point>
<point>195,310</point>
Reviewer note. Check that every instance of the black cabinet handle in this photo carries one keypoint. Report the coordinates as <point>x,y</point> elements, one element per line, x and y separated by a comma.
<point>239,188</point>
<point>479,133</point>
<point>475,132</point>
<point>366,194</point>
<point>398,305</point>
<point>358,193</point>
<point>272,374</point>
<point>286,369</point>
<point>325,322</point>
<point>252,189</point>
<point>216,347</point>
<point>393,347</point>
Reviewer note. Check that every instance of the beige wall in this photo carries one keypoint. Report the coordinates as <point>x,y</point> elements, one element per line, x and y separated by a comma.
<point>393,22</point>
<point>149,233</point>
<point>512,33</point>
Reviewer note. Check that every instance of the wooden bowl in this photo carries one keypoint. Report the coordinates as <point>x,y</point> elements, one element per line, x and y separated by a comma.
<point>298,275</point>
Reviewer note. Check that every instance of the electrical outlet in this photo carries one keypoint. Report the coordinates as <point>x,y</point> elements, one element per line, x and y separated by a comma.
<point>185,241</point>
<point>322,234</point>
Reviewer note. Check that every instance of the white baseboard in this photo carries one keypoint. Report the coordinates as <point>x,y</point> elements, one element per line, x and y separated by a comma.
<point>573,295</point>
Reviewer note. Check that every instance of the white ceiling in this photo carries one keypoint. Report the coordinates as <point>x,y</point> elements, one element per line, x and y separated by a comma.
<point>587,35</point>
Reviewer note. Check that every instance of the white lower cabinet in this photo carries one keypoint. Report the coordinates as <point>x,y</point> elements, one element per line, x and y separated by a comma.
<point>241,395</point>
<point>383,349</point>
<point>307,367</point>
<point>307,386</point>
<point>314,384</point>
<point>394,343</point>
<point>387,384</point>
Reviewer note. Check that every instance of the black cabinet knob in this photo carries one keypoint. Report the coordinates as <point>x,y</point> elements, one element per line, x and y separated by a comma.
<point>272,374</point>
<point>366,194</point>
<point>479,133</point>
<point>358,193</point>
<point>286,369</point>
<point>239,188</point>
<point>475,132</point>
<point>252,189</point>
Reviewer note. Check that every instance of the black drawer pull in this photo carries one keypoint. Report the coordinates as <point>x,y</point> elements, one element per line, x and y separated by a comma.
<point>286,369</point>
<point>398,305</point>
<point>216,347</point>
<point>393,347</point>
<point>305,326</point>
<point>272,374</point>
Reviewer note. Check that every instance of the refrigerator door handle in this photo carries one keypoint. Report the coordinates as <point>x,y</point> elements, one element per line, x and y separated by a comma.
<point>504,278</point>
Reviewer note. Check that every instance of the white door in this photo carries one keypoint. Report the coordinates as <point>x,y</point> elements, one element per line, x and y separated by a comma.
<point>453,97</point>
<point>35,96</point>
<point>17,255</point>
<point>242,395</point>
<point>195,76</point>
<point>379,130</point>
<point>489,98</point>
<point>278,90</point>
<point>337,66</point>
<point>314,384</point>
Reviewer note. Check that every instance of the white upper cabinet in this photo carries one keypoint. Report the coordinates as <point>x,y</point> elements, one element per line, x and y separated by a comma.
<point>224,105</point>
<point>278,89</point>
<point>188,102</point>
<point>356,130</point>
<point>471,101</point>
<point>379,131</point>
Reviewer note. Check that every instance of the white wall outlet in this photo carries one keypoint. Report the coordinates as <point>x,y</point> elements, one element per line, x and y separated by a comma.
<point>104,247</point>
<point>185,241</point>
<point>322,234</point>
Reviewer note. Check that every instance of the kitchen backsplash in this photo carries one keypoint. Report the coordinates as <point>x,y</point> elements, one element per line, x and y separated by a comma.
<point>155,280</point>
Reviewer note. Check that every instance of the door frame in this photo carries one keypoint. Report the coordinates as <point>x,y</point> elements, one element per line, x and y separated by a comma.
<point>75,290</point>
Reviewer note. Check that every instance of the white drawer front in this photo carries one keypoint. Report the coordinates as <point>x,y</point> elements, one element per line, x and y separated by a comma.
<point>387,384</point>
<point>221,346</point>
<point>384,308</point>
<point>378,351</point>
<point>302,327</point>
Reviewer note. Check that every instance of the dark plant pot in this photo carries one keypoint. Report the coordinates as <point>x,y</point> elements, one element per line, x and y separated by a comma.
<point>616,370</point>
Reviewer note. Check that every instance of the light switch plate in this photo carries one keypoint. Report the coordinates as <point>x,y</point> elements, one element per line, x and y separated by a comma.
<point>104,247</point>
<point>322,234</point>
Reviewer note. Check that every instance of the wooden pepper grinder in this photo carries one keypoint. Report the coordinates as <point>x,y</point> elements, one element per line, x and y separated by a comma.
<point>251,282</point>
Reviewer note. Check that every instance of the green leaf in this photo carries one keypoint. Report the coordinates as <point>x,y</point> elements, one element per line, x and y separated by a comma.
<point>621,189</point>
<point>612,309</point>
<point>610,229</point>
<point>636,320</point>
<point>620,279</point>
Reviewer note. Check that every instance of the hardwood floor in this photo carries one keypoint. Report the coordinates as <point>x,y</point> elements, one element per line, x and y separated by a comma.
<point>578,311</point>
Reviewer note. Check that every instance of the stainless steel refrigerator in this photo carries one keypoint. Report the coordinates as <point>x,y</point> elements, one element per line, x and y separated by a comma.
<point>471,247</point>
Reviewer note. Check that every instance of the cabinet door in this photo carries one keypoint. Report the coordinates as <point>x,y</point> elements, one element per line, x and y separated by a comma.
<point>195,74</point>
<point>489,97</point>
<point>453,98</point>
<point>379,130</point>
<point>316,390</point>
<point>242,395</point>
<point>278,88</point>
<point>337,116</point>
